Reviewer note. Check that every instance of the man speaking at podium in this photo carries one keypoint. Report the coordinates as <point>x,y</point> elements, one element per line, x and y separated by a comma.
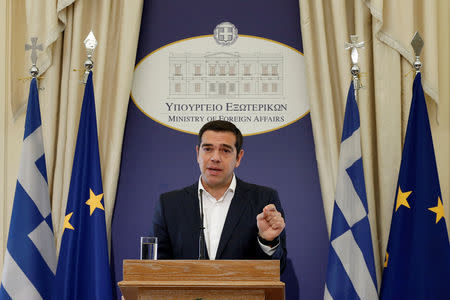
<point>238,220</point>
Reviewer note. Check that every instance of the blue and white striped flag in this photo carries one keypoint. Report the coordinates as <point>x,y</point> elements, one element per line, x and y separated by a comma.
<point>351,268</point>
<point>30,259</point>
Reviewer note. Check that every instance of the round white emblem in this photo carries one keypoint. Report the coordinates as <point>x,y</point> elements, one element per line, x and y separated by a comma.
<point>225,34</point>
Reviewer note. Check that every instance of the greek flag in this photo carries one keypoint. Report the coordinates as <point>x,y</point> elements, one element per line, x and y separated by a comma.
<point>30,259</point>
<point>351,269</point>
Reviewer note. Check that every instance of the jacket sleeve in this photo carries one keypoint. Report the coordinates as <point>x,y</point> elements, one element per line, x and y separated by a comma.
<point>280,252</point>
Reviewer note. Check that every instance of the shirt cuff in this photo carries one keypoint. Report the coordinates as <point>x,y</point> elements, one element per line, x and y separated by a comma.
<point>267,249</point>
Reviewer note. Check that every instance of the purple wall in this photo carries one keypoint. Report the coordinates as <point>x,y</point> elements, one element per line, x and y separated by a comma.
<point>157,159</point>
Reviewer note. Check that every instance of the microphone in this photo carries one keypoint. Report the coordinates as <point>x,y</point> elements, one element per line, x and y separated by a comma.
<point>201,240</point>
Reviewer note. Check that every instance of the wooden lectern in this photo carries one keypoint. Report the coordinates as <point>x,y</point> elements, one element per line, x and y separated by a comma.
<point>202,279</point>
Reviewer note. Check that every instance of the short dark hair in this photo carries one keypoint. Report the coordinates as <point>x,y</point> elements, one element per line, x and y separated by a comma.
<point>221,126</point>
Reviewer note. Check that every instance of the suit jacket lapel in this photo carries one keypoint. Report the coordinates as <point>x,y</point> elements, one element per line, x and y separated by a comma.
<point>192,208</point>
<point>237,207</point>
<point>191,204</point>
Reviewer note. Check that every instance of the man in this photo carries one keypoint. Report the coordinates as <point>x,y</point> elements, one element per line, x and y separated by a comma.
<point>241,220</point>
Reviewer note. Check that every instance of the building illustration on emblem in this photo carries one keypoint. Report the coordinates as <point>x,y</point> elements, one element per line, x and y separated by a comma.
<point>225,75</point>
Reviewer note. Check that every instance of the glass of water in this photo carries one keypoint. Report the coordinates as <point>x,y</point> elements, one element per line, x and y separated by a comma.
<point>149,247</point>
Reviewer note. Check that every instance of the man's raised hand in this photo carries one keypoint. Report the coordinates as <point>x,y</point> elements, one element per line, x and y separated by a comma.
<point>270,223</point>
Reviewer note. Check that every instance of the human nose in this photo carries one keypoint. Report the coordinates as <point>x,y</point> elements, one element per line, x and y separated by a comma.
<point>215,157</point>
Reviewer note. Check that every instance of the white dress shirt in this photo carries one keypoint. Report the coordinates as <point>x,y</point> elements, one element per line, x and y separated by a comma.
<point>214,213</point>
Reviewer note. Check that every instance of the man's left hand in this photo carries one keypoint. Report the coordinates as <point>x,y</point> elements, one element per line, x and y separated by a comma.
<point>270,223</point>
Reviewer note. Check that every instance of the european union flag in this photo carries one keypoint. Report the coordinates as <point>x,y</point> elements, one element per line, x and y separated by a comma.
<point>83,264</point>
<point>30,258</point>
<point>417,262</point>
<point>351,268</point>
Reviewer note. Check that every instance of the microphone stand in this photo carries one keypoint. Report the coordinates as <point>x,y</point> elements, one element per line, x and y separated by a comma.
<point>201,240</point>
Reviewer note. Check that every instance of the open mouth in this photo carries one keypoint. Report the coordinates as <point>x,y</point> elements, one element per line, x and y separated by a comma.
<point>214,171</point>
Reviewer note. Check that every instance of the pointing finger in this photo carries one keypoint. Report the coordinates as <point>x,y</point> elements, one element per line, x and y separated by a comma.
<point>269,207</point>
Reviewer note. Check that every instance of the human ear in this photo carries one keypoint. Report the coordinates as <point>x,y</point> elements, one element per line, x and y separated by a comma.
<point>239,157</point>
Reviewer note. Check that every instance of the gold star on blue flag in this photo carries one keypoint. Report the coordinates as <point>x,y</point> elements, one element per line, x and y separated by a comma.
<point>417,264</point>
<point>83,265</point>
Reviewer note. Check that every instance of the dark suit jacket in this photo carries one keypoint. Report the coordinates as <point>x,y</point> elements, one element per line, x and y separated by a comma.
<point>176,223</point>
